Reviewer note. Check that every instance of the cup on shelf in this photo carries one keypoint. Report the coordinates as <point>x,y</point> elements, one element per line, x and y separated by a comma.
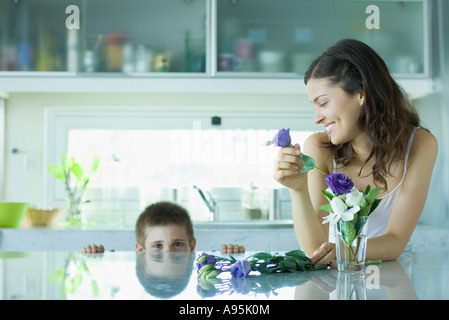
<point>271,61</point>
<point>228,62</point>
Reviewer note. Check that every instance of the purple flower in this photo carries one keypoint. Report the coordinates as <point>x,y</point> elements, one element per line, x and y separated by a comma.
<point>282,138</point>
<point>240,269</point>
<point>339,183</point>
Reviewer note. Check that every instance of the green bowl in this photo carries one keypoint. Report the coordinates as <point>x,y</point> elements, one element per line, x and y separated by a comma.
<point>12,214</point>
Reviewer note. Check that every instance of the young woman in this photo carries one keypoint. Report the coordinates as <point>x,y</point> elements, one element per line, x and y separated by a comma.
<point>373,136</point>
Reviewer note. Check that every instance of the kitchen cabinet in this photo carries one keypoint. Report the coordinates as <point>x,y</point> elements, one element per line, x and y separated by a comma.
<point>199,46</point>
<point>115,37</point>
<point>283,37</point>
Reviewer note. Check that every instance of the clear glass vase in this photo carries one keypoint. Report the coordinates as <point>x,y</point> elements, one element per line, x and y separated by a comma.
<point>350,241</point>
<point>351,286</point>
<point>75,215</point>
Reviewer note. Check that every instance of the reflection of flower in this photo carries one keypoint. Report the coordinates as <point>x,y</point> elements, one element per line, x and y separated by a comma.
<point>339,183</point>
<point>205,259</point>
<point>241,269</point>
<point>266,285</point>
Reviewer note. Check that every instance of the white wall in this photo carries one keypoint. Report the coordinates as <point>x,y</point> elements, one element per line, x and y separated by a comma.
<point>25,125</point>
<point>25,132</point>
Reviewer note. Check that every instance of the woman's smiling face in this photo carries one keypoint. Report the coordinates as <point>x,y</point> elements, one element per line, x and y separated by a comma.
<point>335,109</point>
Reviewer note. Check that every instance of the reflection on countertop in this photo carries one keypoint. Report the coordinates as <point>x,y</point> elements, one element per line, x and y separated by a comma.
<point>149,276</point>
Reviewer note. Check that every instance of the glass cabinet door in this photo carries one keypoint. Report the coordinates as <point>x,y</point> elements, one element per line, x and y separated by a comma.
<point>278,37</point>
<point>114,36</point>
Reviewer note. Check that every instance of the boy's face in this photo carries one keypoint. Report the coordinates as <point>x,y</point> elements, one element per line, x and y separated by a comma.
<point>168,238</point>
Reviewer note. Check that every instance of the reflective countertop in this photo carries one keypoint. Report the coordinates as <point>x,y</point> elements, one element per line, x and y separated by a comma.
<point>128,275</point>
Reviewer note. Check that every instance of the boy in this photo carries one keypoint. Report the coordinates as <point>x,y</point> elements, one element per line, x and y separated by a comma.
<point>165,227</point>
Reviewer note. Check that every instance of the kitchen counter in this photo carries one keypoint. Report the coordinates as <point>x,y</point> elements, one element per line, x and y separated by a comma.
<point>127,275</point>
<point>254,235</point>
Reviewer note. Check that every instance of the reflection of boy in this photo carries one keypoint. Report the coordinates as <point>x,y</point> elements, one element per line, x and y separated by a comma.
<point>164,274</point>
<point>165,226</point>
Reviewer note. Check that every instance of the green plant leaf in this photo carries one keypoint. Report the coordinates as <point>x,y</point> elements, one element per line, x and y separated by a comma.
<point>77,171</point>
<point>308,160</point>
<point>262,255</point>
<point>329,196</point>
<point>326,207</point>
<point>56,171</point>
<point>69,162</point>
<point>57,276</point>
<point>95,163</point>
<point>297,254</point>
<point>374,205</point>
<point>372,195</point>
<point>307,168</point>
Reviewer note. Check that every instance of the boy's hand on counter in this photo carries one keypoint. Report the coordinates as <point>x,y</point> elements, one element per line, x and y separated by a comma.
<point>93,249</point>
<point>232,248</point>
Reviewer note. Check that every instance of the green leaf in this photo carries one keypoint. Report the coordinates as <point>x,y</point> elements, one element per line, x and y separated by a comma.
<point>95,163</point>
<point>262,255</point>
<point>296,253</point>
<point>372,195</point>
<point>374,205</point>
<point>289,264</point>
<point>348,232</point>
<point>57,276</point>
<point>368,187</point>
<point>320,267</point>
<point>307,168</point>
<point>329,196</point>
<point>56,171</point>
<point>326,207</point>
<point>95,289</point>
<point>308,160</point>
<point>69,162</point>
<point>77,171</point>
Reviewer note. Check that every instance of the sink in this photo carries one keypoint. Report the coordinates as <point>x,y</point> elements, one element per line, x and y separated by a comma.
<point>244,224</point>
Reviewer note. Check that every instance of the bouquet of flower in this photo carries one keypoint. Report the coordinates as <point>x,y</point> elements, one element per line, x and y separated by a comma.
<point>209,266</point>
<point>347,203</point>
<point>348,207</point>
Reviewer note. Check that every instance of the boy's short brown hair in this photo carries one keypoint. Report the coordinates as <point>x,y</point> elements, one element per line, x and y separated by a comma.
<point>161,214</point>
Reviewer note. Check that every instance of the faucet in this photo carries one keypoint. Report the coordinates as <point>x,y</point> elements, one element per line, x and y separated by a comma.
<point>210,203</point>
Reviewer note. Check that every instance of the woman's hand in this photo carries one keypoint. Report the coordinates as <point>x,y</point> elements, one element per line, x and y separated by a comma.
<point>325,254</point>
<point>287,169</point>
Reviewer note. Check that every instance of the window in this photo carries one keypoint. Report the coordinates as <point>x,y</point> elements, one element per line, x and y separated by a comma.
<point>152,154</point>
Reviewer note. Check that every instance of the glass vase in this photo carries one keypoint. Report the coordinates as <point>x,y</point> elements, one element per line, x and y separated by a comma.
<point>350,242</point>
<point>75,215</point>
<point>351,286</point>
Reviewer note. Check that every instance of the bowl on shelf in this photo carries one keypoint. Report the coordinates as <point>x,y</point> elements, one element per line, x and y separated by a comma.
<point>43,218</point>
<point>12,214</point>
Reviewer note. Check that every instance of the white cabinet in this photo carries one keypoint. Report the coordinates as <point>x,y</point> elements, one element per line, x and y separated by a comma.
<point>251,46</point>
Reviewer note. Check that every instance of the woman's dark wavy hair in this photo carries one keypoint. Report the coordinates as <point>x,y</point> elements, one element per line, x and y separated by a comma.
<point>387,116</point>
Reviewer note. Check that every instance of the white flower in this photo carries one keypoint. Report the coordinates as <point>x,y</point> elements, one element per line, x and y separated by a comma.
<point>354,198</point>
<point>341,211</point>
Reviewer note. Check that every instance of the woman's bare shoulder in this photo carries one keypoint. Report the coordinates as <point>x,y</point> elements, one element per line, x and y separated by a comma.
<point>314,147</point>
<point>424,146</point>
<point>314,143</point>
<point>425,141</point>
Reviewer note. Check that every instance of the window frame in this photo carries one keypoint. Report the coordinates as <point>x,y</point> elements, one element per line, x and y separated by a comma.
<point>60,120</point>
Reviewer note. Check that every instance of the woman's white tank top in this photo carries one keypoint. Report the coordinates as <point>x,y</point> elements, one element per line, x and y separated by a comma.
<point>378,219</point>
